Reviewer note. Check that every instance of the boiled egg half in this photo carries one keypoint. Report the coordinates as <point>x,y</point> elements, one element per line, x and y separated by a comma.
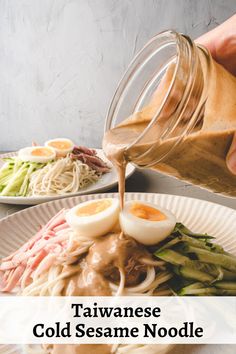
<point>146,223</point>
<point>62,146</point>
<point>39,154</point>
<point>94,218</point>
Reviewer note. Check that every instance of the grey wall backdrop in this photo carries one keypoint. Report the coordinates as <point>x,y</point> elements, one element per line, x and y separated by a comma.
<point>60,60</point>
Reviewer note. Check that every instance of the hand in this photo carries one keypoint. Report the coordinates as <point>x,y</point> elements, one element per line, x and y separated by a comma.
<point>221,42</point>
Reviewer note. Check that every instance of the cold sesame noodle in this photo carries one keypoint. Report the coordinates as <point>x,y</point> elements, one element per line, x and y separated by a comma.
<point>44,171</point>
<point>65,175</point>
<point>66,257</point>
<point>58,262</point>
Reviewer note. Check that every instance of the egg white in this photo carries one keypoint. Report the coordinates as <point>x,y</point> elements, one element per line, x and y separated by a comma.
<point>61,152</point>
<point>94,225</point>
<point>25,155</point>
<point>145,231</point>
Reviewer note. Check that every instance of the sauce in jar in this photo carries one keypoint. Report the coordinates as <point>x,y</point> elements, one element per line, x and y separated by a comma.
<point>186,127</point>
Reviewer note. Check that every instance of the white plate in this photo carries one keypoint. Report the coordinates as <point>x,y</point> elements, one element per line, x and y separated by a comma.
<point>107,181</point>
<point>198,215</point>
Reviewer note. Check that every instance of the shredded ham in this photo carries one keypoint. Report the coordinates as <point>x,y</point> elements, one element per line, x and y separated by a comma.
<point>18,269</point>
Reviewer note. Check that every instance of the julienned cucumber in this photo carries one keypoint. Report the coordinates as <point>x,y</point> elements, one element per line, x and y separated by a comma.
<point>15,175</point>
<point>200,267</point>
<point>202,290</point>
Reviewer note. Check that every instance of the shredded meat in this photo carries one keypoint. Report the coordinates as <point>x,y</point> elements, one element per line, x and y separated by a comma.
<point>89,156</point>
<point>115,252</point>
<point>102,263</point>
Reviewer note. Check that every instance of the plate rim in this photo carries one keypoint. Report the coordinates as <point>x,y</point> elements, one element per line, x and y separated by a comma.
<point>35,200</point>
<point>93,195</point>
<point>98,195</point>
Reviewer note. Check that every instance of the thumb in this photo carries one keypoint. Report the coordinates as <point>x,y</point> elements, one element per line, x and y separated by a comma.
<point>231,156</point>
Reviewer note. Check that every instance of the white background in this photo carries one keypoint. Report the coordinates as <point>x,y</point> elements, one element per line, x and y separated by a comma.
<point>60,60</point>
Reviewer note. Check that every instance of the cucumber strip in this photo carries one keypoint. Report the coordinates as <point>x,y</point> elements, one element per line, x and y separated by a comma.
<point>191,273</point>
<point>226,285</point>
<point>24,186</point>
<point>172,257</point>
<point>223,260</point>
<point>169,244</point>
<point>15,182</point>
<point>182,229</point>
<point>197,289</point>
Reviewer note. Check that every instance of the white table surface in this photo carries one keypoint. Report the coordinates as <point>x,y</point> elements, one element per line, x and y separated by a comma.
<point>149,181</point>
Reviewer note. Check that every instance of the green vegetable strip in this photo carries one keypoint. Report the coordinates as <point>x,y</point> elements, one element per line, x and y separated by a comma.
<point>225,261</point>
<point>192,257</point>
<point>191,273</point>
<point>15,182</point>
<point>202,244</point>
<point>226,285</point>
<point>227,275</point>
<point>170,243</point>
<point>15,175</point>
<point>183,230</point>
<point>207,292</point>
<point>5,173</point>
<point>200,292</point>
<point>216,271</point>
<point>24,186</point>
<point>172,257</point>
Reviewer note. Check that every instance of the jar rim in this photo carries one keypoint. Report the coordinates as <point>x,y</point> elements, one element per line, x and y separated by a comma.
<point>129,72</point>
<point>153,120</point>
<point>153,46</point>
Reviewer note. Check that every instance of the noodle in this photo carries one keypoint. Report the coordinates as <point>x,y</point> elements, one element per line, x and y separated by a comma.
<point>122,282</point>
<point>148,285</point>
<point>153,263</point>
<point>53,283</point>
<point>62,176</point>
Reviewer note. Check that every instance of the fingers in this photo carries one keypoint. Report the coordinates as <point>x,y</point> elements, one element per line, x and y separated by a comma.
<point>209,41</point>
<point>221,42</point>
<point>218,34</point>
<point>231,156</point>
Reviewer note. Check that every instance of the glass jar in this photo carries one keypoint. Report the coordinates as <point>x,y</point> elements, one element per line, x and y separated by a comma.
<point>174,111</point>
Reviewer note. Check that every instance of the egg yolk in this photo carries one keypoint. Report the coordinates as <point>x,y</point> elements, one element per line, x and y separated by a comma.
<point>94,208</point>
<point>41,152</point>
<point>146,212</point>
<point>60,145</point>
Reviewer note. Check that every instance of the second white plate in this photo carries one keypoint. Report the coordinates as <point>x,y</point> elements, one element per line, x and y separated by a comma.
<point>107,181</point>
